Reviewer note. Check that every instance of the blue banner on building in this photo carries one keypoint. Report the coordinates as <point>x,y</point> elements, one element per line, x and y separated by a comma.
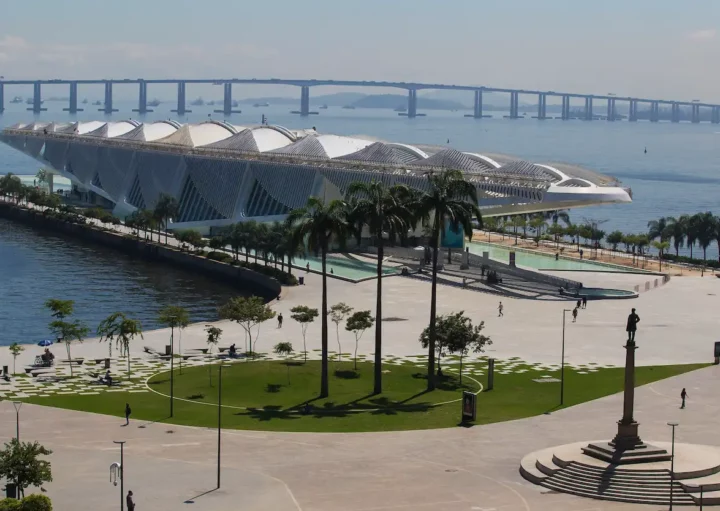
<point>452,239</point>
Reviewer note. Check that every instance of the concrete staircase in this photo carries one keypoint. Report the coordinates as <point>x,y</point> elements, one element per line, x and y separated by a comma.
<point>617,484</point>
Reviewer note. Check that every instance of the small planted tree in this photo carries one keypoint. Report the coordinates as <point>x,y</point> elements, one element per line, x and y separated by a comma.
<point>247,312</point>
<point>173,316</point>
<point>284,349</point>
<point>65,331</point>
<point>304,315</point>
<point>213,338</point>
<point>661,247</point>
<point>461,336</point>
<point>15,350</point>
<point>21,463</point>
<point>122,330</point>
<point>357,323</point>
<point>338,313</point>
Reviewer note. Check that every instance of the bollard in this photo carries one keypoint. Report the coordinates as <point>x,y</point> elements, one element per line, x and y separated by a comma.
<point>107,363</point>
<point>6,371</point>
<point>491,374</point>
<point>167,349</point>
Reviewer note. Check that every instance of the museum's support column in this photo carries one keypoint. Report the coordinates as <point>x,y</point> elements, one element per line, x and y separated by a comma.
<point>37,99</point>
<point>142,98</point>
<point>72,105</point>
<point>181,108</point>
<point>108,106</point>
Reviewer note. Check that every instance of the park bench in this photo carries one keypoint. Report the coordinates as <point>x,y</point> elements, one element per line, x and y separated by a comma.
<point>41,372</point>
<point>78,361</point>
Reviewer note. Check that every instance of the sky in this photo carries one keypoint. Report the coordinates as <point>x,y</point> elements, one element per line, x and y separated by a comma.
<point>651,48</point>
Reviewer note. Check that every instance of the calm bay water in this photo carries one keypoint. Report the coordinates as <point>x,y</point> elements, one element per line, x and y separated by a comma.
<point>678,175</point>
<point>37,265</point>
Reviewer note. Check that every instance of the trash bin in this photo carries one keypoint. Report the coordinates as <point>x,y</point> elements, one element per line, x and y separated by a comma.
<point>107,363</point>
<point>11,491</point>
<point>301,280</point>
<point>6,371</point>
<point>167,349</point>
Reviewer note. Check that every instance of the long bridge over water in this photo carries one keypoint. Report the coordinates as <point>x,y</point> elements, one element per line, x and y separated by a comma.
<point>676,109</point>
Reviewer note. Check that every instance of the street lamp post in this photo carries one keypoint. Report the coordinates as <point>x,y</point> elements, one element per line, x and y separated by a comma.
<point>122,474</point>
<point>562,362</point>
<point>17,405</point>
<point>673,425</point>
<point>219,422</point>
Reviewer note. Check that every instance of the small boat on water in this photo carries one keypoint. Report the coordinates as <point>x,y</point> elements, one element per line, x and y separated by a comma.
<point>234,103</point>
<point>256,105</point>
<point>210,103</point>
<point>323,107</point>
<point>85,101</point>
<point>97,103</point>
<point>154,102</point>
<point>349,107</point>
<point>401,109</point>
<point>16,99</point>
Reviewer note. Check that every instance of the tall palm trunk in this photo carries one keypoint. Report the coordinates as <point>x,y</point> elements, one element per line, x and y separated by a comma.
<point>377,389</point>
<point>324,391</point>
<point>433,306</point>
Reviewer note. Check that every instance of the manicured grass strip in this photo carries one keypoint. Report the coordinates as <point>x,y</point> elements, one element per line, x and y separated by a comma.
<point>266,401</point>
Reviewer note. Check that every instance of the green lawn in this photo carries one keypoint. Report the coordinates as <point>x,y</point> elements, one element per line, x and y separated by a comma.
<point>257,395</point>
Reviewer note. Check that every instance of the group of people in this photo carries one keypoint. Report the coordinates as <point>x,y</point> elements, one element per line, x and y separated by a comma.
<point>581,304</point>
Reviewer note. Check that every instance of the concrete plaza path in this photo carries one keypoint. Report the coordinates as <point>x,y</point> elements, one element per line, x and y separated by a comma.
<point>171,468</point>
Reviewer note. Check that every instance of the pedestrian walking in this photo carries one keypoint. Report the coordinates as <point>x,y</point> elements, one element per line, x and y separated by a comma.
<point>581,254</point>
<point>500,310</point>
<point>575,314</point>
<point>584,302</point>
<point>280,320</point>
<point>683,395</point>
<point>307,268</point>
<point>130,503</point>
<point>128,411</point>
<point>578,304</point>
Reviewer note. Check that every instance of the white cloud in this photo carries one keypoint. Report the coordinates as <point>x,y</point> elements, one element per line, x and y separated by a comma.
<point>703,35</point>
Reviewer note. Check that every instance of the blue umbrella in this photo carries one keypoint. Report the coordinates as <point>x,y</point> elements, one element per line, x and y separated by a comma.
<point>46,342</point>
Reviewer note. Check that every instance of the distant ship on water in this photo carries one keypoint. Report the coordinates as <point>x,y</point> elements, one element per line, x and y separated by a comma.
<point>349,107</point>
<point>323,107</point>
<point>30,101</point>
<point>198,102</point>
<point>401,109</point>
<point>256,105</point>
<point>154,102</point>
<point>16,99</point>
<point>97,103</point>
<point>85,101</point>
<point>234,103</point>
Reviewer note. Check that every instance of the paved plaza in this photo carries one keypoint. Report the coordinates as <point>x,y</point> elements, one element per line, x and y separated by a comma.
<point>169,466</point>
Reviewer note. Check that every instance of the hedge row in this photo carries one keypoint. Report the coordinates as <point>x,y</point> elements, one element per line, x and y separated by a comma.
<point>694,260</point>
<point>281,276</point>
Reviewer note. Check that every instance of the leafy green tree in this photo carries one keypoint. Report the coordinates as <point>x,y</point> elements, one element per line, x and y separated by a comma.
<point>677,229</point>
<point>518,221</point>
<point>20,462</point>
<point>461,336</point>
<point>661,247</point>
<point>304,315</point>
<point>166,208</point>
<point>213,338</point>
<point>284,349</point>
<point>338,313</point>
<point>452,199</point>
<point>173,316</point>
<point>537,222</point>
<point>149,222</point>
<point>614,239</point>
<point>357,323</point>
<point>319,223</point>
<point>248,312</point>
<point>11,186</point>
<point>42,178</point>
<point>36,502</point>
<point>66,332</point>
<point>15,350</point>
<point>556,231</point>
<point>121,329</point>
<point>383,210</point>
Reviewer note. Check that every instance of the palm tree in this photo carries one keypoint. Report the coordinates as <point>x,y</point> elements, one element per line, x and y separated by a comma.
<point>658,229</point>
<point>717,234</point>
<point>319,223</point>
<point>706,230</point>
<point>450,200</point>
<point>677,230</point>
<point>122,330</point>
<point>383,210</point>
<point>692,231</point>
<point>537,223</point>
<point>167,207</point>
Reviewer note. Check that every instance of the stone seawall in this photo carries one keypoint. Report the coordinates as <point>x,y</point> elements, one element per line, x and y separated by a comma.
<point>248,280</point>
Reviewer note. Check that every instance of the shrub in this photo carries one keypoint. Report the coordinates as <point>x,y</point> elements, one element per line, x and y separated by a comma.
<point>10,505</point>
<point>685,259</point>
<point>219,256</point>
<point>36,502</point>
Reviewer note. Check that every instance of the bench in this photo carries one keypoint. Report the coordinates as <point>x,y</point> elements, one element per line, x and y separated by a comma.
<point>41,372</point>
<point>78,361</point>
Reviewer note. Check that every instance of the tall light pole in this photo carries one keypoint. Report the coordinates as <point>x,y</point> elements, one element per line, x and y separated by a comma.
<point>673,425</point>
<point>562,362</point>
<point>17,405</point>
<point>173,319</point>
<point>219,422</point>
<point>122,474</point>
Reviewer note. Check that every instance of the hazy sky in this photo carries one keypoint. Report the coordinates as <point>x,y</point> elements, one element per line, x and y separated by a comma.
<point>667,48</point>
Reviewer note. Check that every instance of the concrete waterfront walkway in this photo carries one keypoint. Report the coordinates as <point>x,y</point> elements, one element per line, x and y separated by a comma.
<point>441,470</point>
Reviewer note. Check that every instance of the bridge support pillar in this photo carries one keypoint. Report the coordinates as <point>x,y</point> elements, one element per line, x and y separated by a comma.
<point>37,99</point>
<point>514,99</point>
<point>715,116</point>
<point>227,101</point>
<point>654,111</point>
<point>542,101</point>
<point>304,102</point>
<point>565,110</point>
<point>412,103</point>
<point>477,105</point>
<point>142,98</point>
<point>675,113</point>
<point>632,111</point>
<point>181,108</point>
<point>611,109</point>
<point>695,114</point>
<point>588,108</point>
<point>72,107</point>
<point>108,106</point>
<point>2,97</point>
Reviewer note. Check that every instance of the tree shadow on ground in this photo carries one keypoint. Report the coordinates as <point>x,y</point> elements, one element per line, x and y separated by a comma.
<point>444,382</point>
<point>347,374</point>
<point>273,388</point>
<point>196,396</point>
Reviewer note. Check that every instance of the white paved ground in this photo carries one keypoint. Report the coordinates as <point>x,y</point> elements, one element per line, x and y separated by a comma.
<point>678,322</point>
<point>457,469</point>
